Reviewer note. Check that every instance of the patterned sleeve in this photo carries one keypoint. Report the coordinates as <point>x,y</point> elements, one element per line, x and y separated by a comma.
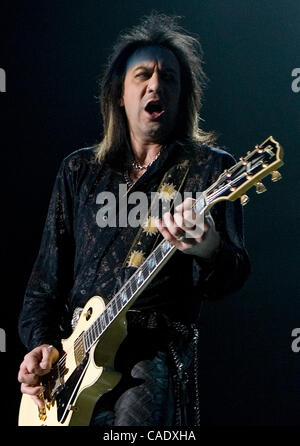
<point>52,275</point>
<point>230,266</point>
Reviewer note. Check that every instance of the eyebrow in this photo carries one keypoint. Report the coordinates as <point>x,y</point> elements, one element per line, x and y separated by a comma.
<point>144,67</point>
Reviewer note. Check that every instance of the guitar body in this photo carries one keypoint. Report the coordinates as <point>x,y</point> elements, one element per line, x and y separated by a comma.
<point>94,378</point>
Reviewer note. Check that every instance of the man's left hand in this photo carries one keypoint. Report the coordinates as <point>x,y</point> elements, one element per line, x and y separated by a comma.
<point>190,232</point>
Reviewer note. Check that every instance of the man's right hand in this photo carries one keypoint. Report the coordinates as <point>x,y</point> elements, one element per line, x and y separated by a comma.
<point>36,363</point>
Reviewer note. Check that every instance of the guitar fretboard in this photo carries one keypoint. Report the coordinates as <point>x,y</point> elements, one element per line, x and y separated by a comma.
<point>129,292</point>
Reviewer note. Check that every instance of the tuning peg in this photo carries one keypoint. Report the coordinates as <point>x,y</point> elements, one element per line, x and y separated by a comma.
<point>260,187</point>
<point>276,176</point>
<point>244,199</point>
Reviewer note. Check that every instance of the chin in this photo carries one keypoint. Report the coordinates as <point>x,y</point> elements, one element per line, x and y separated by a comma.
<point>158,132</point>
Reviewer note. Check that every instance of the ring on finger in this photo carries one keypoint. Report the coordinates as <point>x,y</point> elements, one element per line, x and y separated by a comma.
<point>180,236</point>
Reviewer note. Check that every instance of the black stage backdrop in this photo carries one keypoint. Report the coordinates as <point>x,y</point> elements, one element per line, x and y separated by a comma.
<point>51,57</point>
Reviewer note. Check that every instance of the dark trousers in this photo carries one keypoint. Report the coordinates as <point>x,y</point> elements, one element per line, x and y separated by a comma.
<point>149,403</point>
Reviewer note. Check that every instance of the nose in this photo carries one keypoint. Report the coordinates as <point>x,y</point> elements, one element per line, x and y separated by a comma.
<point>154,84</point>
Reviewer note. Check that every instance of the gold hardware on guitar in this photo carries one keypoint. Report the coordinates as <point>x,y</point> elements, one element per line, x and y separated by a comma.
<point>244,199</point>
<point>42,413</point>
<point>260,187</point>
<point>88,314</point>
<point>73,408</point>
<point>243,161</point>
<point>276,176</point>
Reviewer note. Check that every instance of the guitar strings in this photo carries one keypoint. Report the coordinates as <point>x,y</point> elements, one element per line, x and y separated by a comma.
<point>59,367</point>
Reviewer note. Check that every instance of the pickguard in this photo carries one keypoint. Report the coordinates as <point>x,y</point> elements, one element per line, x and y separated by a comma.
<point>67,392</point>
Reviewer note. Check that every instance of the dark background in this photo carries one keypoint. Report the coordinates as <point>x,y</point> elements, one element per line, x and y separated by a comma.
<point>52,53</point>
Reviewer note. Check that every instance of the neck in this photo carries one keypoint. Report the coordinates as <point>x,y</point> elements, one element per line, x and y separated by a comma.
<point>144,151</point>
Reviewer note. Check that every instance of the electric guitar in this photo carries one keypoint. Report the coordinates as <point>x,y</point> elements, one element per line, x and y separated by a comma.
<point>85,370</point>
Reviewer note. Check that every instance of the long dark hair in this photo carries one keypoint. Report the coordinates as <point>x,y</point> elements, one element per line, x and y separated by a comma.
<point>156,29</point>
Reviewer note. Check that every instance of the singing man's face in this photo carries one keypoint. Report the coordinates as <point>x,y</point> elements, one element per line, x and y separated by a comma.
<point>151,93</point>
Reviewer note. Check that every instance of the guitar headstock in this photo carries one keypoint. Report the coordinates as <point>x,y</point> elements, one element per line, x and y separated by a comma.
<point>263,160</point>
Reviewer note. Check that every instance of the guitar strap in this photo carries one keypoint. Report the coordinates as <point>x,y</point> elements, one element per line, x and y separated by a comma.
<point>148,235</point>
<point>182,365</point>
<point>167,194</point>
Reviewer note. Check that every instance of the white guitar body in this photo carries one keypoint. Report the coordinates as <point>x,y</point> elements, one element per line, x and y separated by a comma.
<point>98,375</point>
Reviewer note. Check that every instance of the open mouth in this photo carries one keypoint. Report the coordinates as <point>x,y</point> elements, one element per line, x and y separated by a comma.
<point>154,109</point>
